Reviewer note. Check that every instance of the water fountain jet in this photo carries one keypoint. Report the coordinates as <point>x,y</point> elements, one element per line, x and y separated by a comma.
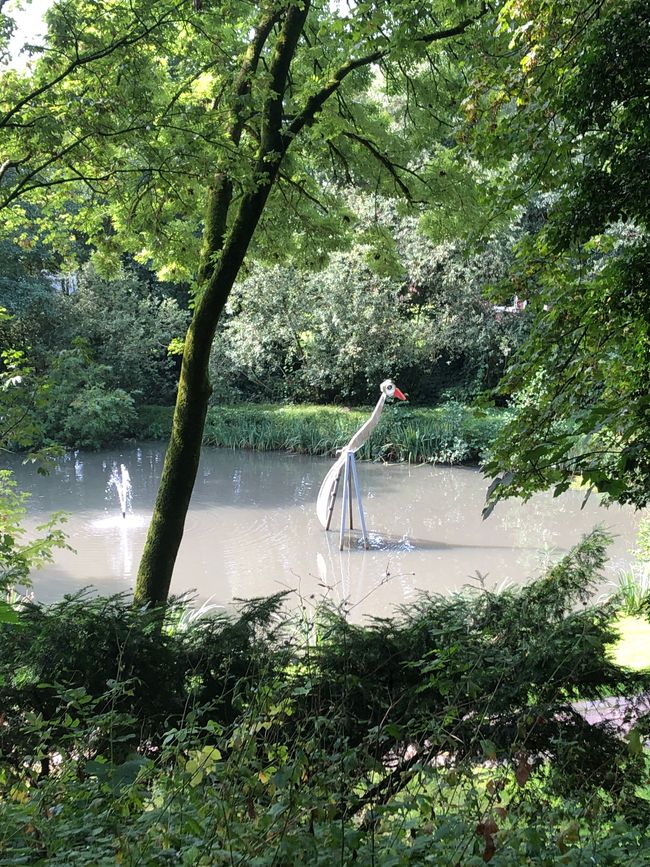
<point>121,481</point>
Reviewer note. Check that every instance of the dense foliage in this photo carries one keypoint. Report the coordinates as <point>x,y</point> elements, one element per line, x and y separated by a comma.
<point>21,397</point>
<point>99,348</point>
<point>218,144</point>
<point>582,379</point>
<point>431,737</point>
<point>413,308</point>
<point>102,346</point>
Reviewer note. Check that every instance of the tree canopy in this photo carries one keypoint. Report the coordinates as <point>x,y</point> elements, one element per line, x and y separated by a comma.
<point>581,381</point>
<point>128,118</point>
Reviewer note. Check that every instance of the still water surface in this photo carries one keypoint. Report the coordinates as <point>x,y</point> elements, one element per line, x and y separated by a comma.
<point>252,529</point>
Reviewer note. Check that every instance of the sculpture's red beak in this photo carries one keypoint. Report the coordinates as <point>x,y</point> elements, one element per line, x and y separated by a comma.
<point>398,394</point>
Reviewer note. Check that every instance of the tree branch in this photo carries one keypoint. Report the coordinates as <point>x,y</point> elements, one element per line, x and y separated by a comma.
<point>390,167</point>
<point>284,51</point>
<point>303,192</point>
<point>221,191</point>
<point>316,102</point>
<point>83,60</point>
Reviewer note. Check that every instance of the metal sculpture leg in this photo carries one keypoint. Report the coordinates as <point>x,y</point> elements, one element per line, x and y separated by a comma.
<point>357,489</point>
<point>351,460</point>
<point>330,505</point>
<point>345,499</point>
<point>349,476</point>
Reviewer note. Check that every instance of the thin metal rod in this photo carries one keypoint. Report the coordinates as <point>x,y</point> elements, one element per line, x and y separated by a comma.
<point>346,487</point>
<point>357,490</point>
<point>330,507</point>
<point>351,461</point>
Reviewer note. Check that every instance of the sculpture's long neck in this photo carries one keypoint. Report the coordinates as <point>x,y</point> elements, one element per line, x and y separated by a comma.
<point>368,427</point>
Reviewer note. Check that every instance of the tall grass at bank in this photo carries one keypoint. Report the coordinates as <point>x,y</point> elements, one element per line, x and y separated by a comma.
<point>450,434</point>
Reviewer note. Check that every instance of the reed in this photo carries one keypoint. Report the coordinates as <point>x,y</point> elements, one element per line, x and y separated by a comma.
<point>450,434</point>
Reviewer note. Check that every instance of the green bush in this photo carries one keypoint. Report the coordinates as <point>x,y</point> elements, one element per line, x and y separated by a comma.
<point>447,734</point>
<point>83,410</point>
<point>394,304</point>
<point>97,417</point>
<point>89,643</point>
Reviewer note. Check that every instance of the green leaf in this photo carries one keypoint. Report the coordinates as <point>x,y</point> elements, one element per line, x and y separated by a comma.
<point>8,614</point>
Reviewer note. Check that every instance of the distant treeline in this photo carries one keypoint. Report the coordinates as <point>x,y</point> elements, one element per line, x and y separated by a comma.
<point>96,349</point>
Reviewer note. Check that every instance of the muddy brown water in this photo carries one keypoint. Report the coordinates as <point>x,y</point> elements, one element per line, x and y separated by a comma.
<point>252,529</point>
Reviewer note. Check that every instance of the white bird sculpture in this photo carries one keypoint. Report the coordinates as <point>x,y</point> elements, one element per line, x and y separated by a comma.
<point>327,493</point>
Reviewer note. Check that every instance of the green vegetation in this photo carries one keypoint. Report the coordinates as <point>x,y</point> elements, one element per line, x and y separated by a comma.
<point>21,396</point>
<point>95,352</point>
<point>632,649</point>
<point>101,353</point>
<point>419,314</point>
<point>237,202</point>
<point>429,738</point>
<point>632,602</point>
<point>581,380</point>
<point>451,433</point>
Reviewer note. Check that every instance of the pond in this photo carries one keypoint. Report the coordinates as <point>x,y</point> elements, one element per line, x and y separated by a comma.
<point>252,529</point>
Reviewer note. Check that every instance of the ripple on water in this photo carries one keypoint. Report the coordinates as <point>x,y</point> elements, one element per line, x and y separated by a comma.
<point>353,540</point>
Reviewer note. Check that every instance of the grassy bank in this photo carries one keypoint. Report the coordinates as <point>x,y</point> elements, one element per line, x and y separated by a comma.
<point>451,434</point>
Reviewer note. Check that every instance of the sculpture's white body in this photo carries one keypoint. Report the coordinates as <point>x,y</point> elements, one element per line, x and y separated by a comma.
<point>323,503</point>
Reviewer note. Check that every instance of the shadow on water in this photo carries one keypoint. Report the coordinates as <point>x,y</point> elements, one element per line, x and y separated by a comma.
<point>352,541</point>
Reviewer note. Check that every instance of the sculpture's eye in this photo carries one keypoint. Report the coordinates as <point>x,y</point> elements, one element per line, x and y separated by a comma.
<point>390,387</point>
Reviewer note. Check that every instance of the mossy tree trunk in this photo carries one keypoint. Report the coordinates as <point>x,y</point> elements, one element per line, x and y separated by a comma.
<point>224,249</point>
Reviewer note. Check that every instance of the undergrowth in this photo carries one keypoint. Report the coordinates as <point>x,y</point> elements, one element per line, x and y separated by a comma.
<point>448,734</point>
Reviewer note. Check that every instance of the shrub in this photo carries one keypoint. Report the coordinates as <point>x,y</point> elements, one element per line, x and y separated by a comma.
<point>448,734</point>
<point>82,410</point>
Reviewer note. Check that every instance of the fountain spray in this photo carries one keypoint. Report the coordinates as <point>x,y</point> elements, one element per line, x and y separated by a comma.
<point>121,481</point>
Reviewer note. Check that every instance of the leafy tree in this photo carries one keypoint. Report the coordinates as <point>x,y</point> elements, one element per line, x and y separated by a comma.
<point>220,120</point>
<point>28,294</point>
<point>127,322</point>
<point>582,379</point>
<point>7,26</point>
<point>83,410</point>
<point>331,335</point>
<point>128,329</point>
<point>291,334</point>
<point>21,395</point>
<point>32,103</point>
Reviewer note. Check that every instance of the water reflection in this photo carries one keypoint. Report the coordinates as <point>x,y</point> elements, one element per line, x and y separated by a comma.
<point>252,529</point>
